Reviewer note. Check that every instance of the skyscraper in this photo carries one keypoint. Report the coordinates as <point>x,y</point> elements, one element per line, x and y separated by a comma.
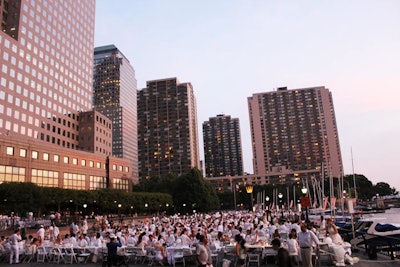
<point>46,52</point>
<point>115,96</point>
<point>294,130</point>
<point>167,129</point>
<point>45,78</point>
<point>222,146</point>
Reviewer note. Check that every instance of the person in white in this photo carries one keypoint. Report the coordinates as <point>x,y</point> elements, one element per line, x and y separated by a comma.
<point>82,242</point>
<point>170,239</point>
<point>333,232</point>
<point>185,240</point>
<point>293,248</point>
<point>307,240</point>
<point>14,243</point>
<point>55,233</point>
<point>40,233</point>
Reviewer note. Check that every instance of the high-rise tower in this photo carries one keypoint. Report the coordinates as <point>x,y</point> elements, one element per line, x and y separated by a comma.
<point>222,146</point>
<point>167,129</point>
<point>115,96</point>
<point>46,64</point>
<point>294,130</point>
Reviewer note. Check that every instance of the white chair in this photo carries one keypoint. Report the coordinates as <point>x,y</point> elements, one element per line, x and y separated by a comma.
<point>139,254</point>
<point>56,255</point>
<point>178,257</point>
<point>82,256</point>
<point>323,255</point>
<point>29,253</point>
<point>41,254</point>
<point>253,258</point>
<point>69,255</point>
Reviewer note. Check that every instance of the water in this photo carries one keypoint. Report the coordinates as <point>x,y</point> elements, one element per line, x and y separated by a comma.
<point>392,215</point>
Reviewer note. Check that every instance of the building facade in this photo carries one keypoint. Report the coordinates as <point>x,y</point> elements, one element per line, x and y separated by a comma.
<point>95,133</point>
<point>295,131</point>
<point>167,129</point>
<point>115,96</point>
<point>46,81</point>
<point>222,146</point>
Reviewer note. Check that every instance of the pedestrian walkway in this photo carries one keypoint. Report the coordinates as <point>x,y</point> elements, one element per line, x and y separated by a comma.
<point>382,261</point>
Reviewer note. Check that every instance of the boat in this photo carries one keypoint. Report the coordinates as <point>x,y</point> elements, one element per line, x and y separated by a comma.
<point>377,235</point>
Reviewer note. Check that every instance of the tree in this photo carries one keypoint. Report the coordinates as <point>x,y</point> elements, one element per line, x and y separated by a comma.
<point>193,192</point>
<point>364,186</point>
<point>384,189</point>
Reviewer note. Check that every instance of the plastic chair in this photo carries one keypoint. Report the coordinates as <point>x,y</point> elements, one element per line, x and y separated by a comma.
<point>178,258</point>
<point>323,255</point>
<point>253,258</point>
<point>41,254</point>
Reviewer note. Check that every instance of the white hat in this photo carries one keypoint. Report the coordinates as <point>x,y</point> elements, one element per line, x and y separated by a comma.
<point>112,236</point>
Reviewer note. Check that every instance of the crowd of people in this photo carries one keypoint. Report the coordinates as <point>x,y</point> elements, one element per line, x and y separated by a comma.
<point>286,233</point>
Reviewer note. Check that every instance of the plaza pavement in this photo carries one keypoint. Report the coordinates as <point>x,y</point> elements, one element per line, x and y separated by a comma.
<point>382,261</point>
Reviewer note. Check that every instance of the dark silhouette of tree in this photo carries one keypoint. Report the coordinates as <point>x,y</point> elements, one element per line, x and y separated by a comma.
<point>384,189</point>
<point>193,192</point>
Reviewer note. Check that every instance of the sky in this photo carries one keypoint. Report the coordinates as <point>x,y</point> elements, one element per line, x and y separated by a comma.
<point>231,49</point>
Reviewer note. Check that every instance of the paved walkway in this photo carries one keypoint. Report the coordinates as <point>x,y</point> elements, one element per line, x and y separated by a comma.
<point>382,261</point>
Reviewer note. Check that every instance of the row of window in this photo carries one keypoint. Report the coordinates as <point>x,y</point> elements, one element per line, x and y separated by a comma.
<point>23,153</point>
<point>48,178</point>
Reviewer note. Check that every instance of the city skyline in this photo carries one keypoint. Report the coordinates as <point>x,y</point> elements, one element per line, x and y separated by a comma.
<point>230,50</point>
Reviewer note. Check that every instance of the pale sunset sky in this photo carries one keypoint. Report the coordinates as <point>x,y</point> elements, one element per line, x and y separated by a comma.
<point>231,49</point>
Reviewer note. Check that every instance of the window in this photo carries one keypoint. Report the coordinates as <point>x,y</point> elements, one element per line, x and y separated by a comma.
<point>74,181</point>
<point>46,156</point>
<point>35,154</point>
<point>74,161</point>
<point>56,158</point>
<point>98,165</point>
<point>66,160</point>
<point>114,167</point>
<point>45,178</point>
<point>10,151</point>
<point>83,162</point>
<point>12,174</point>
<point>22,153</point>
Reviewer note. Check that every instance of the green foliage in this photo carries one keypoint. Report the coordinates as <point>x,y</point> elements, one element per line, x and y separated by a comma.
<point>365,189</point>
<point>22,198</point>
<point>195,192</point>
<point>190,191</point>
<point>384,189</point>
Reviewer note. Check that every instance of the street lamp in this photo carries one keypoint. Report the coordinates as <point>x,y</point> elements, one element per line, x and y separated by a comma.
<point>280,196</point>
<point>249,190</point>
<point>119,211</point>
<point>84,207</point>
<point>267,202</point>
<point>305,201</point>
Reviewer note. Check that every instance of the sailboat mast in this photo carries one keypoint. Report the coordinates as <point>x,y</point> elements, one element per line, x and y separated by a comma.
<point>354,175</point>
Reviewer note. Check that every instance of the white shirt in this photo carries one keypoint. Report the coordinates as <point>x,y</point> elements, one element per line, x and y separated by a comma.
<point>307,239</point>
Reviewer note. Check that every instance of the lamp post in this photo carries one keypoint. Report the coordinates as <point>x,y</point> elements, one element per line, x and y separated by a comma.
<point>84,210</point>
<point>280,196</point>
<point>267,202</point>
<point>249,190</point>
<point>305,202</point>
<point>119,211</point>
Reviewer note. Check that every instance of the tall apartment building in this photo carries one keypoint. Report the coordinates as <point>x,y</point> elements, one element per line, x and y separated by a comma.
<point>115,96</point>
<point>167,129</point>
<point>10,12</point>
<point>222,146</point>
<point>294,130</point>
<point>46,53</point>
